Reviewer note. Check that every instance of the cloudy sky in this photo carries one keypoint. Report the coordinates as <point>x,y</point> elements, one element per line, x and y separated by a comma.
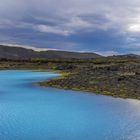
<point>105,26</point>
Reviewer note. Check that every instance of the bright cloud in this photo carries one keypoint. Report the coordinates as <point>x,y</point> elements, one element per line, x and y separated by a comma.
<point>134,28</point>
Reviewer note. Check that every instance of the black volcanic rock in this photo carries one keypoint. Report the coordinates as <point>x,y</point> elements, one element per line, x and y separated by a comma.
<point>23,53</point>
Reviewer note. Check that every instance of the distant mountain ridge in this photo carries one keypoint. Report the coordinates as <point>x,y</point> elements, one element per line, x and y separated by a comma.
<point>24,53</point>
<point>126,56</point>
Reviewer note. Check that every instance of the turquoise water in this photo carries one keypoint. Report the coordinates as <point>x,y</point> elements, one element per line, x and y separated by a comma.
<point>29,112</point>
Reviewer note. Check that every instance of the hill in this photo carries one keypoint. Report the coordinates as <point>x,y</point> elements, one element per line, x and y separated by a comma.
<point>24,53</point>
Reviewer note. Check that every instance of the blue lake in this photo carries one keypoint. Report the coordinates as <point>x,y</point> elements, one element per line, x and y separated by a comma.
<point>30,112</point>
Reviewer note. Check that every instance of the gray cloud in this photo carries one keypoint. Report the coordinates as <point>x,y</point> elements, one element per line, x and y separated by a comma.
<point>70,17</point>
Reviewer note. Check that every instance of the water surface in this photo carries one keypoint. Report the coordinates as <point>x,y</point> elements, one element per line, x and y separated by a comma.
<point>29,112</point>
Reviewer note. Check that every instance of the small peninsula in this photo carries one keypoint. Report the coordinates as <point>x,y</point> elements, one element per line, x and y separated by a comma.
<point>117,76</point>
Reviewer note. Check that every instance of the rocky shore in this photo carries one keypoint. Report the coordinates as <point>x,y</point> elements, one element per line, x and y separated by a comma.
<point>122,80</point>
<point>115,76</point>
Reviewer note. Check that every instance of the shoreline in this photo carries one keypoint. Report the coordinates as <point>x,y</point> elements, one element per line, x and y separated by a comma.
<point>47,84</point>
<point>63,75</point>
<point>111,76</point>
